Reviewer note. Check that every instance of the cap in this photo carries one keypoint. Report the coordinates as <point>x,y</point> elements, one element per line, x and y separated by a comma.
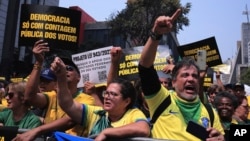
<point>48,74</point>
<point>68,61</point>
<point>238,84</point>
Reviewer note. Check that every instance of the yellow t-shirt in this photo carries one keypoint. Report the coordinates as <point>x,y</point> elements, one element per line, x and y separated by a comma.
<point>248,101</point>
<point>171,124</point>
<point>4,102</point>
<point>90,118</point>
<point>55,112</point>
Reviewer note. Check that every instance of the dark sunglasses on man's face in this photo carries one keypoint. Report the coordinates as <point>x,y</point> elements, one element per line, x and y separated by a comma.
<point>10,95</point>
<point>69,68</point>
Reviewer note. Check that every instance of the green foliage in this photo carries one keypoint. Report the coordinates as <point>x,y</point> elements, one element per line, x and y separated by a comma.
<point>136,20</point>
<point>245,77</point>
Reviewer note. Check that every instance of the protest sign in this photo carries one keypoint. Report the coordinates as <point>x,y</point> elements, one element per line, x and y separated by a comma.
<point>94,65</point>
<point>223,68</point>
<point>57,26</point>
<point>128,68</point>
<point>208,81</point>
<point>209,44</point>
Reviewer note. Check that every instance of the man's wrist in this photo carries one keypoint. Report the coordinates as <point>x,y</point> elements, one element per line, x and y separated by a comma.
<point>155,36</point>
<point>37,66</point>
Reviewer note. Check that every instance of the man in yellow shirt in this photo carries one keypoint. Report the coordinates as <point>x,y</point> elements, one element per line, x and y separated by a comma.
<point>185,104</point>
<point>55,116</point>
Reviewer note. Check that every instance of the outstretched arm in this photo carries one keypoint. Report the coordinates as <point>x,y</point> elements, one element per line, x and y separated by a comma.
<point>219,82</point>
<point>65,99</point>
<point>149,79</point>
<point>115,54</point>
<point>32,94</point>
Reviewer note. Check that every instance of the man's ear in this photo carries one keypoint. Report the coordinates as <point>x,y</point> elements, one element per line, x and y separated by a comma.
<point>173,83</point>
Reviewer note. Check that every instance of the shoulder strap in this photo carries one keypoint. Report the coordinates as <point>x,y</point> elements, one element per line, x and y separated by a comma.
<point>165,103</point>
<point>210,112</point>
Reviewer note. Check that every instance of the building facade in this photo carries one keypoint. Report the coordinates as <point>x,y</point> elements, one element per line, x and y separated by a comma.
<point>17,61</point>
<point>9,30</point>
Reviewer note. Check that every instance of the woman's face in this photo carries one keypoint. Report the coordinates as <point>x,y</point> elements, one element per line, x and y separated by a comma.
<point>113,100</point>
<point>13,101</point>
<point>242,110</point>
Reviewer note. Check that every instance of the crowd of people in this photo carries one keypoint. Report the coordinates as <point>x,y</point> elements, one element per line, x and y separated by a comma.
<point>51,101</point>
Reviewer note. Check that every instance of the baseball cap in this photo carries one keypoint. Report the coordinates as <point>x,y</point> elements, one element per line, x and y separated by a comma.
<point>48,74</point>
<point>68,61</point>
<point>238,84</point>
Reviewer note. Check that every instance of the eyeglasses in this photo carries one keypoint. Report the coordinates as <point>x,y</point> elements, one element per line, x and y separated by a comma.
<point>69,68</point>
<point>110,94</point>
<point>10,95</point>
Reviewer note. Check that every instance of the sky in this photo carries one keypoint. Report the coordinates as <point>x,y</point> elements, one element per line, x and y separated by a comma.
<point>219,18</point>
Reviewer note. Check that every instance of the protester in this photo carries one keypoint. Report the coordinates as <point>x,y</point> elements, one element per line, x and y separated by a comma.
<point>47,81</point>
<point>185,104</point>
<point>2,93</point>
<point>47,100</point>
<point>116,54</point>
<point>47,84</point>
<point>17,112</point>
<point>116,119</point>
<point>229,88</point>
<point>165,79</point>
<point>3,85</point>
<point>242,111</point>
<point>239,89</point>
<point>226,103</point>
<point>212,91</point>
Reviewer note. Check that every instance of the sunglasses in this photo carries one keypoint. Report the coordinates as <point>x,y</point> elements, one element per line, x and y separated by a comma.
<point>10,95</point>
<point>70,68</point>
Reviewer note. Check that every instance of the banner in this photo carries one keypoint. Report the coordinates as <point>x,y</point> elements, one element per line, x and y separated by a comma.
<point>61,136</point>
<point>209,44</point>
<point>223,68</point>
<point>128,68</point>
<point>95,64</point>
<point>58,26</point>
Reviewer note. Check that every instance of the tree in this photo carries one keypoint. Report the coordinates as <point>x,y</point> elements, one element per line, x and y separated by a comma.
<point>135,21</point>
<point>245,77</point>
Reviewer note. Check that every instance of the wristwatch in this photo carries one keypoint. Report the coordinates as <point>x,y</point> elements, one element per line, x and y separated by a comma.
<point>155,36</point>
